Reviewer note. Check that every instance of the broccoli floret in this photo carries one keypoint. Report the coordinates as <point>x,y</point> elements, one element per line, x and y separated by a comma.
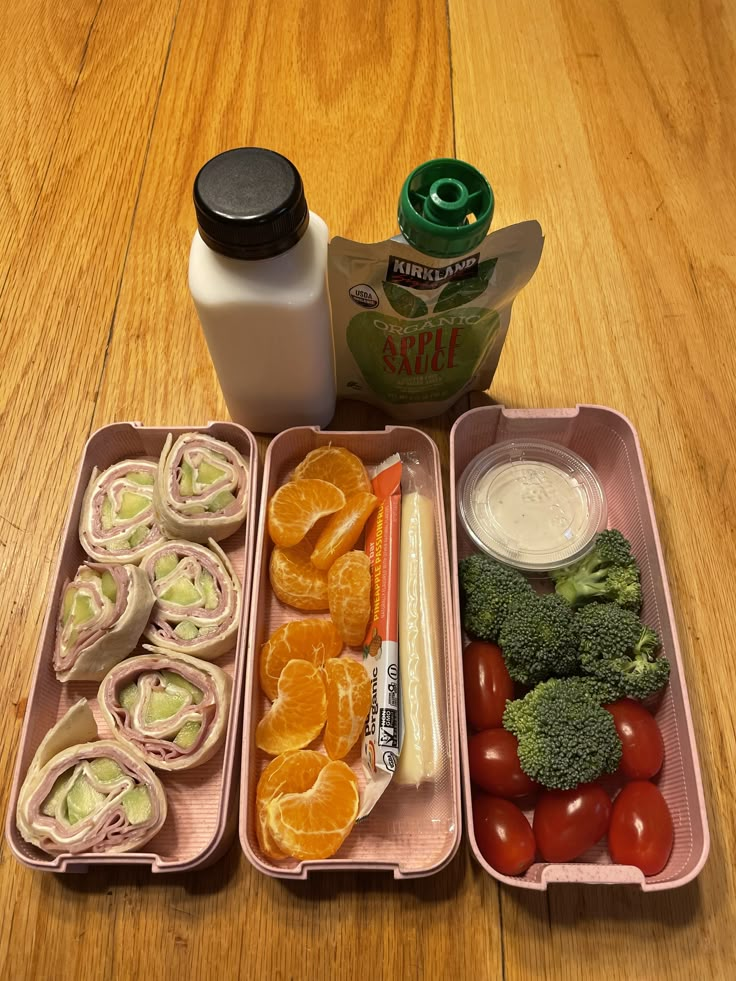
<point>619,650</point>
<point>608,572</point>
<point>565,737</point>
<point>488,587</point>
<point>539,639</point>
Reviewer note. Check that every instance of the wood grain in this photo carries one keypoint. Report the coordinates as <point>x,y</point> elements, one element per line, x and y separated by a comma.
<point>614,125</point>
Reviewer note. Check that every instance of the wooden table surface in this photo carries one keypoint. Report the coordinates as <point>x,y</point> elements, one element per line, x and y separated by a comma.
<point>614,124</point>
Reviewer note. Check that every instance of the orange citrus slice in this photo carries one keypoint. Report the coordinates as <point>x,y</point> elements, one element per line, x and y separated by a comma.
<point>299,712</point>
<point>336,465</point>
<point>294,579</point>
<point>349,595</point>
<point>314,824</point>
<point>296,506</point>
<point>290,773</point>
<point>348,701</point>
<point>311,639</point>
<point>343,529</point>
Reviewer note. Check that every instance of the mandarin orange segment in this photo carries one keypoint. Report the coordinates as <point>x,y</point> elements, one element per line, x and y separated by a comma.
<point>296,506</point>
<point>299,712</point>
<point>343,529</point>
<point>336,465</point>
<point>348,701</point>
<point>313,825</point>
<point>312,639</point>
<point>290,773</point>
<point>294,579</point>
<point>349,595</point>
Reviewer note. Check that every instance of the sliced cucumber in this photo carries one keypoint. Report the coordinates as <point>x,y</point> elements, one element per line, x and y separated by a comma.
<point>106,771</point>
<point>176,681</point>
<point>82,800</point>
<point>207,584</point>
<point>166,564</point>
<point>82,609</point>
<point>132,504</point>
<point>187,735</point>
<point>109,587</point>
<point>220,501</point>
<point>128,697</point>
<point>163,704</point>
<point>186,630</point>
<point>207,474</point>
<point>137,805</point>
<point>138,536</point>
<point>182,592</point>
<point>186,480</point>
<point>67,603</point>
<point>58,792</point>
<point>106,515</point>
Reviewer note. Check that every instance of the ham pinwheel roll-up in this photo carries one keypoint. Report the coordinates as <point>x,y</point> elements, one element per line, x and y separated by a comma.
<point>117,523</point>
<point>198,597</point>
<point>171,708</point>
<point>82,794</point>
<point>102,615</point>
<point>201,489</point>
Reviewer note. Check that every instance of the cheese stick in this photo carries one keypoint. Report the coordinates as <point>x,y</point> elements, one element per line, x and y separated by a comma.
<point>419,643</point>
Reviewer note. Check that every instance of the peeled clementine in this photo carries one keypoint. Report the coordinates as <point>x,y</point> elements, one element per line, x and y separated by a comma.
<point>296,506</point>
<point>349,595</point>
<point>294,579</point>
<point>312,639</point>
<point>313,825</point>
<point>348,701</point>
<point>343,529</point>
<point>290,773</point>
<point>338,466</point>
<point>299,712</point>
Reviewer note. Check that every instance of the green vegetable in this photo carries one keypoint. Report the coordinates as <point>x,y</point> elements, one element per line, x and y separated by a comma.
<point>187,735</point>
<point>137,804</point>
<point>619,650</point>
<point>539,639</point>
<point>565,736</point>
<point>608,572</point>
<point>488,588</point>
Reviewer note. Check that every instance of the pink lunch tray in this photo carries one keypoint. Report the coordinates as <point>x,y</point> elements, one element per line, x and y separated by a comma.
<point>609,443</point>
<point>411,832</point>
<point>200,818</point>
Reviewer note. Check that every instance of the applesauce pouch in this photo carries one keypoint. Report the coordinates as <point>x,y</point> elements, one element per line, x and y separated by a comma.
<point>420,320</point>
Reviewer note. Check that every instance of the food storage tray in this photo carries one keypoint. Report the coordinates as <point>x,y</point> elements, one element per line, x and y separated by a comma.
<point>201,814</point>
<point>609,443</point>
<point>411,832</point>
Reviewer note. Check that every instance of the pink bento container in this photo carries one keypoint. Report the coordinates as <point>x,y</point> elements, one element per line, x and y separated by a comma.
<point>609,443</point>
<point>411,832</point>
<point>201,813</point>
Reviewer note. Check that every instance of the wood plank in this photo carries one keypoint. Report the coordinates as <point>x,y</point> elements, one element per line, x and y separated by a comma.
<point>42,51</point>
<point>55,313</point>
<point>614,125</point>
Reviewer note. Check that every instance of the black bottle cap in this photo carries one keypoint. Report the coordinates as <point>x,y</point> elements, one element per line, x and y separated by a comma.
<point>250,203</point>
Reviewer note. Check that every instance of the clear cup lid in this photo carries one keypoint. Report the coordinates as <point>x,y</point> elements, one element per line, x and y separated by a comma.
<point>532,504</point>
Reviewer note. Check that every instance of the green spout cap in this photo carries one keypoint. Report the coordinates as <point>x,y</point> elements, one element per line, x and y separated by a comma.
<point>445,208</point>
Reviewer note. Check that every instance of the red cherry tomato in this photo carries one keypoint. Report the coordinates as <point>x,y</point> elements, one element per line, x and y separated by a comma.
<point>494,764</point>
<point>569,822</point>
<point>488,685</point>
<point>503,834</point>
<point>642,744</point>
<point>641,832</point>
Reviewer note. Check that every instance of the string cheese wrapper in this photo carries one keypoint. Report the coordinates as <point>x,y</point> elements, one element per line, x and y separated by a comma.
<point>382,737</point>
<point>84,794</point>
<point>419,643</point>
